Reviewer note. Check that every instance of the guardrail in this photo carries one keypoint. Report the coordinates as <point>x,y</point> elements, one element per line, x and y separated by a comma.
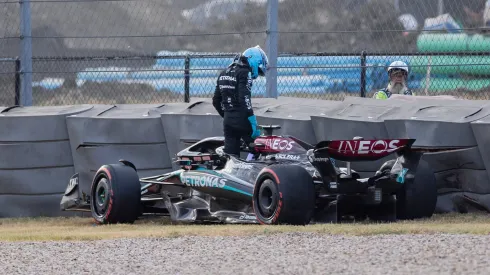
<point>44,146</point>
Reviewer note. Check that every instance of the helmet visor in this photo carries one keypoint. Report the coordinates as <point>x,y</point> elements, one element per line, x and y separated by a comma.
<point>398,72</point>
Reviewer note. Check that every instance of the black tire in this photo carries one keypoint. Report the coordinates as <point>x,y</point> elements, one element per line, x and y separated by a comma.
<point>284,194</point>
<point>418,197</point>
<point>115,195</point>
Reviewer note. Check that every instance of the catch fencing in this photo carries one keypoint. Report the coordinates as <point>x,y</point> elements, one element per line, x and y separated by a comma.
<point>63,52</point>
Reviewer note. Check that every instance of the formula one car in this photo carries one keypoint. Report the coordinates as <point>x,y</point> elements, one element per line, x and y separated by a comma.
<point>284,180</point>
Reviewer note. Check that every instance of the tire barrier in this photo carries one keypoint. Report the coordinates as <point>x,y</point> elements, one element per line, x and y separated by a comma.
<point>35,159</point>
<point>294,116</point>
<point>108,133</point>
<point>197,121</point>
<point>43,146</point>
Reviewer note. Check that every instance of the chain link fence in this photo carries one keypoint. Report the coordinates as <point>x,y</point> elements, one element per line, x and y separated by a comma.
<point>9,81</point>
<point>148,51</point>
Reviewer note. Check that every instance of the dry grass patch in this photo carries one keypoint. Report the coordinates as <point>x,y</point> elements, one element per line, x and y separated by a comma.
<point>77,229</point>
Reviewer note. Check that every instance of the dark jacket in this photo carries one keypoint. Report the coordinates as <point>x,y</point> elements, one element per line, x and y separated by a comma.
<point>234,91</point>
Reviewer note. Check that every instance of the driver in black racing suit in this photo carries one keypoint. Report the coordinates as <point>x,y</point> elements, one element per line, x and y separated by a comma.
<point>232,98</point>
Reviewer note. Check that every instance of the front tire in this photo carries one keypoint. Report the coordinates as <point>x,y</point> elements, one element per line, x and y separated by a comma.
<point>115,195</point>
<point>284,194</point>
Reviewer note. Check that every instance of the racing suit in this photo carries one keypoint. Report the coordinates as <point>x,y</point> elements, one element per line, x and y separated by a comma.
<point>232,100</point>
<point>385,94</point>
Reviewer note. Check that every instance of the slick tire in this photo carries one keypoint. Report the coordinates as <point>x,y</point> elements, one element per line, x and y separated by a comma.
<point>115,195</point>
<point>418,197</point>
<point>284,194</point>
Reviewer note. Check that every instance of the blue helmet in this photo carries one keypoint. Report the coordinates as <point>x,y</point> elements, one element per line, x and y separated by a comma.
<point>257,59</point>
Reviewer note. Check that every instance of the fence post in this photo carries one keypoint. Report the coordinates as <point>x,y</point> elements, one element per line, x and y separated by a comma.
<point>25,53</point>
<point>271,50</point>
<point>187,76</point>
<point>17,81</point>
<point>440,7</point>
<point>363,74</point>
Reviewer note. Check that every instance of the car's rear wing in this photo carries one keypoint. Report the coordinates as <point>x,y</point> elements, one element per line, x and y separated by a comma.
<point>360,149</point>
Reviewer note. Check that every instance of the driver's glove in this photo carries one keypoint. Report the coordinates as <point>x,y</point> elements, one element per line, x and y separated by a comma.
<point>255,128</point>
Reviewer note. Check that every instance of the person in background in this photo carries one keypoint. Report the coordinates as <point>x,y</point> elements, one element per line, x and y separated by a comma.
<point>478,13</point>
<point>232,98</point>
<point>398,74</point>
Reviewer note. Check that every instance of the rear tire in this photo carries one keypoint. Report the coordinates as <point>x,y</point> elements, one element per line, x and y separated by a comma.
<point>115,195</point>
<point>284,194</point>
<point>418,197</point>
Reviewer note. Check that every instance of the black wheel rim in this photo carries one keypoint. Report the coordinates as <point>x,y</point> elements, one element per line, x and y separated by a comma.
<point>267,199</point>
<point>101,197</point>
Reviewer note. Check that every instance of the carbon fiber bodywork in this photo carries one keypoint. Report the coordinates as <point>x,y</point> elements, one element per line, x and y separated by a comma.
<point>223,190</point>
<point>215,187</point>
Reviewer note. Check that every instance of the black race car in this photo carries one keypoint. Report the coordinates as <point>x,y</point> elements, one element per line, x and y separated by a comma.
<point>283,180</point>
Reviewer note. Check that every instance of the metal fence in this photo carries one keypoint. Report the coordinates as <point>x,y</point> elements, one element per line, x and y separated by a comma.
<point>10,81</point>
<point>146,51</point>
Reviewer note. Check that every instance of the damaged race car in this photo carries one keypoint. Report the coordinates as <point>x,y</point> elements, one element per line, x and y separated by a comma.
<point>284,180</point>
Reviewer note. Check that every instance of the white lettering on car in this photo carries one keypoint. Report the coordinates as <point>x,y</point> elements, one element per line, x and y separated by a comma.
<point>247,217</point>
<point>242,166</point>
<point>320,159</point>
<point>367,146</point>
<point>291,157</point>
<point>204,181</point>
<point>280,144</point>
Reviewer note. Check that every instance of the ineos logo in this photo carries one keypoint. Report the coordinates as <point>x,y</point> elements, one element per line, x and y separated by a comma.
<point>279,144</point>
<point>368,146</point>
<point>282,144</point>
<point>381,145</point>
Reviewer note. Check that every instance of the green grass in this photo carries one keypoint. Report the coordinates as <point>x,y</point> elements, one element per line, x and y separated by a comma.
<point>78,229</point>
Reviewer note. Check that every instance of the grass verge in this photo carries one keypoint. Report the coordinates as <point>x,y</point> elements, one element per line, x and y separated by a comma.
<point>79,229</point>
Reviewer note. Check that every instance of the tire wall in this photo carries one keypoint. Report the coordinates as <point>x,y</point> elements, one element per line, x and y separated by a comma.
<point>35,159</point>
<point>42,147</point>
